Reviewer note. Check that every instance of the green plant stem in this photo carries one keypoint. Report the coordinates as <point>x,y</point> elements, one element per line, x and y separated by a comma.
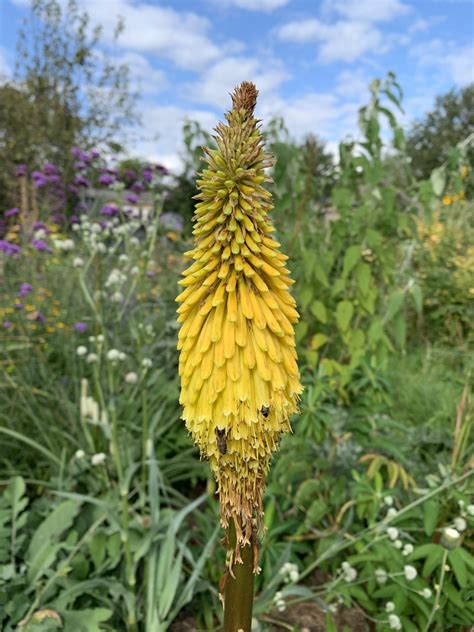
<point>438,591</point>
<point>238,599</point>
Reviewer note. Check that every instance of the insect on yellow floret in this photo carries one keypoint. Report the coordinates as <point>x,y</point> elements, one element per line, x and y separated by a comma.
<point>239,376</point>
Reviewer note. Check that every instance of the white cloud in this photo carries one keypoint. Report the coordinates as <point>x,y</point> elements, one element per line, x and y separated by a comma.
<point>343,40</point>
<point>180,36</point>
<point>369,10</point>
<point>448,58</point>
<point>144,77</point>
<point>353,83</point>
<point>257,5</point>
<point>214,85</point>
<point>163,125</point>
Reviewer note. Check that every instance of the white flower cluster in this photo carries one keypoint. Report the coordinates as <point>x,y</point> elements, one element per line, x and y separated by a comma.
<point>116,278</point>
<point>381,576</point>
<point>290,573</point>
<point>394,622</point>
<point>65,245</point>
<point>279,601</point>
<point>114,355</point>
<point>349,573</point>
<point>89,409</point>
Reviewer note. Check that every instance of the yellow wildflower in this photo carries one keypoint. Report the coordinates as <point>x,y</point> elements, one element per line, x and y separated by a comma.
<point>446,200</point>
<point>239,376</point>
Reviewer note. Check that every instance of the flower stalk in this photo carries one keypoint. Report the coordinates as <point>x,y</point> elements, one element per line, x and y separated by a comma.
<point>239,375</point>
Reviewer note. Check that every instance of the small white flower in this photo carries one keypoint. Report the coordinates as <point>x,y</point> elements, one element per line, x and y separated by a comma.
<point>113,355</point>
<point>102,248</point>
<point>410,572</point>
<point>388,500</point>
<point>79,454</point>
<point>381,575</point>
<point>91,338</point>
<point>122,356</point>
<point>96,228</point>
<point>460,523</point>
<point>392,533</point>
<point>39,234</point>
<point>278,595</point>
<point>470,510</point>
<point>123,258</point>
<point>147,363</point>
<point>135,271</point>
<point>280,605</point>
<point>131,378</point>
<point>91,358</point>
<point>394,622</point>
<point>389,606</point>
<point>134,241</point>
<point>349,572</point>
<point>75,227</point>
<point>392,512</point>
<point>294,576</point>
<point>451,534</point>
<point>68,244</point>
<point>407,549</point>
<point>78,262</point>
<point>426,593</point>
<point>117,297</point>
<point>398,544</point>
<point>98,459</point>
<point>100,338</point>
<point>81,351</point>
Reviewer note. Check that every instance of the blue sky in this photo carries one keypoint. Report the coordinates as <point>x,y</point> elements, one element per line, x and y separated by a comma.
<point>311,59</point>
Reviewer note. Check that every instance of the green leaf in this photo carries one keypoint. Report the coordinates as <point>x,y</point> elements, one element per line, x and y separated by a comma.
<point>430,515</point>
<point>351,257</point>
<point>316,511</point>
<point>318,340</point>
<point>307,491</point>
<point>45,543</point>
<point>87,620</point>
<point>318,310</point>
<point>395,301</point>
<point>453,595</point>
<point>417,298</point>
<point>363,277</point>
<point>329,623</point>
<point>344,313</point>
<point>459,568</point>
<point>438,180</point>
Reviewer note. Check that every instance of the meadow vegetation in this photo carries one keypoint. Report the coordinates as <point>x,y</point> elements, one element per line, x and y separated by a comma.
<point>109,520</point>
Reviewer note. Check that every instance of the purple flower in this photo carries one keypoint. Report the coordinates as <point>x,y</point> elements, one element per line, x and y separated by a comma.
<point>138,187</point>
<point>151,274</point>
<point>80,164</point>
<point>80,327</point>
<point>20,171</point>
<point>95,153</point>
<point>39,226</point>
<point>40,245</point>
<point>76,152</point>
<point>11,212</point>
<point>49,169</point>
<point>162,169</point>
<point>39,180</point>
<point>112,171</point>
<point>106,179</point>
<point>81,181</point>
<point>129,174</point>
<point>25,288</point>
<point>7,324</point>
<point>8,248</point>
<point>18,305</point>
<point>132,198</point>
<point>109,210</point>
<point>54,179</point>
<point>39,317</point>
<point>147,174</point>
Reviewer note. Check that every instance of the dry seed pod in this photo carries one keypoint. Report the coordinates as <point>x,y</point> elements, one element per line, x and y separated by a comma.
<point>239,376</point>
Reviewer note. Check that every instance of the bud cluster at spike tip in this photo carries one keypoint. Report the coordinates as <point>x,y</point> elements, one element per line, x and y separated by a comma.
<point>239,376</point>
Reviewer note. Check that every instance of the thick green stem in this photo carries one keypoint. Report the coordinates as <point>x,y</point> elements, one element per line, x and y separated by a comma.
<point>238,599</point>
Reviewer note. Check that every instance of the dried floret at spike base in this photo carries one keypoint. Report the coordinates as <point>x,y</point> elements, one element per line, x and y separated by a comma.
<point>239,376</point>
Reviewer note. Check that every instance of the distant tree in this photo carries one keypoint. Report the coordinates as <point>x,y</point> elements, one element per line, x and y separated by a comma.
<point>66,91</point>
<point>451,121</point>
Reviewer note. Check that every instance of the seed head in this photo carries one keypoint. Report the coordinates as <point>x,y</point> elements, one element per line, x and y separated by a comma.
<point>239,376</point>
